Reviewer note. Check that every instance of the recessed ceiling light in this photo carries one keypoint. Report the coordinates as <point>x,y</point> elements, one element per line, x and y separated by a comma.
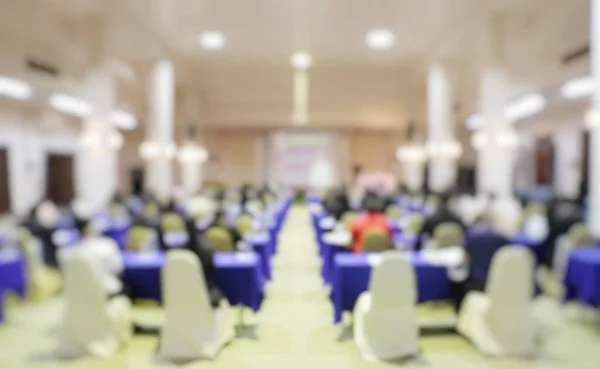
<point>212,40</point>
<point>15,88</point>
<point>70,104</point>
<point>380,39</point>
<point>301,60</point>
<point>123,119</point>
<point>578,88</point>
<point>525,106</point>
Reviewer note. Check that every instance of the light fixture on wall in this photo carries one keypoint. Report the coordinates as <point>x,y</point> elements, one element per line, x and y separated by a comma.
<point>154,150</point>
<point>192,152</point>
<point>503,140</point>
<point>450,150</point>
<point>411,153</point>
<point>592,118</point>
<point>98,139</point>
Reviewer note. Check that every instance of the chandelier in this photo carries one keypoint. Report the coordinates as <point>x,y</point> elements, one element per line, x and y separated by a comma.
<point>151,150</point>
<point>98,138</point>
<point>450,150</point>
<point>504,140</point>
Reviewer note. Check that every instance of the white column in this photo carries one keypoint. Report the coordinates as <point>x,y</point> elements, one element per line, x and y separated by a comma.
<point>567,162</point>
<point>594,154</point>
<point>494,165</point>
<point>96,168</point>
<point>442,170</point>
<point>191,171</point>
<point>414,176</point>
<point>158,176</point>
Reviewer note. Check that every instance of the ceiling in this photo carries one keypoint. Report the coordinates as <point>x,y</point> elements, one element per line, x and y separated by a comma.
<point>249,83</point>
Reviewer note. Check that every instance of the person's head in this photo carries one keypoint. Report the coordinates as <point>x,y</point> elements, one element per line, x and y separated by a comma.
<point>373,204</point>
<point>170,207</point>
<point>85,227</point>
<point>220,220</point>
<point>117,198</point>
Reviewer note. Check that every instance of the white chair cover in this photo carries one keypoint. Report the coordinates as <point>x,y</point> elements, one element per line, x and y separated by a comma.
<point>499,322</point>
<point>536,227</point>
<point>92,325</point>
<point>385,322</point>
<point>192,328</point>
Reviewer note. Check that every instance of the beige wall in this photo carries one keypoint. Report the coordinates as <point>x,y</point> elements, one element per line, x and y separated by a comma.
<point>373,150</point>
<point>235,156</point>
<point>239,156</point>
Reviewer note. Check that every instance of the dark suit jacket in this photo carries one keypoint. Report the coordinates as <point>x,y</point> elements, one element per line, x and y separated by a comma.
<point>442,216</point>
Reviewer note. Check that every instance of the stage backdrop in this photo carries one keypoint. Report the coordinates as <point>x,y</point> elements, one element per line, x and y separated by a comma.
<point>303,159</point>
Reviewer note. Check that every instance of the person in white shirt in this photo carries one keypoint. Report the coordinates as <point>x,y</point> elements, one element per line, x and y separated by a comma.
<point>105,255</point>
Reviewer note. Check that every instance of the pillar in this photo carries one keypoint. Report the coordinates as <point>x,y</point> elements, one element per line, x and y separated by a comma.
<point>158,175</point>
<point>494,162</point>
<point>594,146</point>
<point>191,171</point>
<point>96,166</point>
<point>442,169</point>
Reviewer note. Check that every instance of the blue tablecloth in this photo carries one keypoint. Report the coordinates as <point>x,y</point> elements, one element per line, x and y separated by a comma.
<point>240,278</point>
<point>118,231</point>
<point>582,279</point>
<point>535,246</point>
<point>262,243</point>
<point>12,275</point>
<point>351,274</point>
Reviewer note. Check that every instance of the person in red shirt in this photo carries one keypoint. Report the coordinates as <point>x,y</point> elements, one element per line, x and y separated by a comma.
<point>373,219</point>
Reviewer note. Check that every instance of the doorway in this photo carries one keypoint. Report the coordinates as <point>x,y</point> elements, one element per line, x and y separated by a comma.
<point>137,181</point>
<point>59,179</point>
<point>4,189</point>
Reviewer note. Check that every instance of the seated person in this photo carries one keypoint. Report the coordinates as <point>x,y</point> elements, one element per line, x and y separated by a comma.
<point>336,203</point>
<point>561,216</point>
<point>204,252</point>
<point>105,255</point>
<point>42,222</point>
<point>442,215</point>
<point>374,218</point>
<point>220,220</point>
<point>481,246</point>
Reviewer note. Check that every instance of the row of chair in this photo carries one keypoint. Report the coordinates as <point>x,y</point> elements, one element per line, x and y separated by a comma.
<point>97,326</point>
<point>498,322</point>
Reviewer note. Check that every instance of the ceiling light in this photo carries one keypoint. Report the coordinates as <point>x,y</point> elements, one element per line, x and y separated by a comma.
<point>123,119</point>
<point>212,40</point>
<point>301,60</point>
<point>15,88</point>
<point>474,122</point>
<point>592,118</point>
<point>525,106</point>
<point>380,39</point>
<point>70,104</point>
<point>578,88</point>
